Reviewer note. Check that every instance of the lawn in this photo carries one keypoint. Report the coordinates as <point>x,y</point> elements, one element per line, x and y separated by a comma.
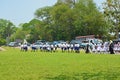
<point>17,65</point>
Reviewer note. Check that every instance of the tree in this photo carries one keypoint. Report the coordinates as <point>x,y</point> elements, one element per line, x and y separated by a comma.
<point>62,21</point>
<point>112,14</point>
<point>70,3</point>
<point>30,30</point>
<point>70,18</point>
<point>19,34</point>
<point>89,20</point>
<point>7,28</point>
<point>43,14</point>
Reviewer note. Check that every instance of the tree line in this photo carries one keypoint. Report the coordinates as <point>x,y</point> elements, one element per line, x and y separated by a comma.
<point>65,20</point>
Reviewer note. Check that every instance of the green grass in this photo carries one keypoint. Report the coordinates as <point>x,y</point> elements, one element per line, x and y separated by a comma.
<point>17,65</point>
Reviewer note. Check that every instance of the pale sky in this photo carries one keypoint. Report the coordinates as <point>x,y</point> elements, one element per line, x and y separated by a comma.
<point>21,11</point>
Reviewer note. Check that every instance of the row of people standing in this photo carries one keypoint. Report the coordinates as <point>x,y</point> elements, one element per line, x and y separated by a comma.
<point>47,47</point>
<point>97,48</point>
<point>106,47</point>
<point>70,47</point>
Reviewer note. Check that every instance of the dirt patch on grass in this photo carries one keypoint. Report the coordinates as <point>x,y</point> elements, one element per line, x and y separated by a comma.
<point>2,49</point>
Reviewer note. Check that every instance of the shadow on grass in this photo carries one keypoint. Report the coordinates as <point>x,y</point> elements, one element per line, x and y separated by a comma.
<point>87,76</point>
<point>63,77</point>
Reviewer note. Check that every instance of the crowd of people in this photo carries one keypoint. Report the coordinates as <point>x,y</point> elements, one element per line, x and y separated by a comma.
<point>106,47</point>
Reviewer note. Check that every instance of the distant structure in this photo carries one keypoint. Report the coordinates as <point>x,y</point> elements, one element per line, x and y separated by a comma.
<point>82,38</point>
<point>18,40</point>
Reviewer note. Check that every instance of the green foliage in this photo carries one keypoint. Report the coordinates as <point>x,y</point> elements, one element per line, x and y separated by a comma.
<point>6,28</point>
<point>43,14</point>
<point>69,18</point>
<point>63,21</point>
<point>112,15</point>
<point>63,18</point>
<point>90,20</point>
<point>17,65</point>
<point>2,42</point>
<point>19,34</point>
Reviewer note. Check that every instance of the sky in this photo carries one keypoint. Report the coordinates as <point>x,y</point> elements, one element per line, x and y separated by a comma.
<point>22,11</point>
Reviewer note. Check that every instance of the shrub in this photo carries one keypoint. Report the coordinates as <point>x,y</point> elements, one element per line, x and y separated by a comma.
<point>2,42</point>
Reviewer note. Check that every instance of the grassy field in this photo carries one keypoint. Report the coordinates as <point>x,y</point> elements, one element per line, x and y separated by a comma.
<point>16,65</point>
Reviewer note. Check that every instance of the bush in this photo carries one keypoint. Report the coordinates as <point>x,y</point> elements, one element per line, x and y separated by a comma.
<point>2,42</point>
